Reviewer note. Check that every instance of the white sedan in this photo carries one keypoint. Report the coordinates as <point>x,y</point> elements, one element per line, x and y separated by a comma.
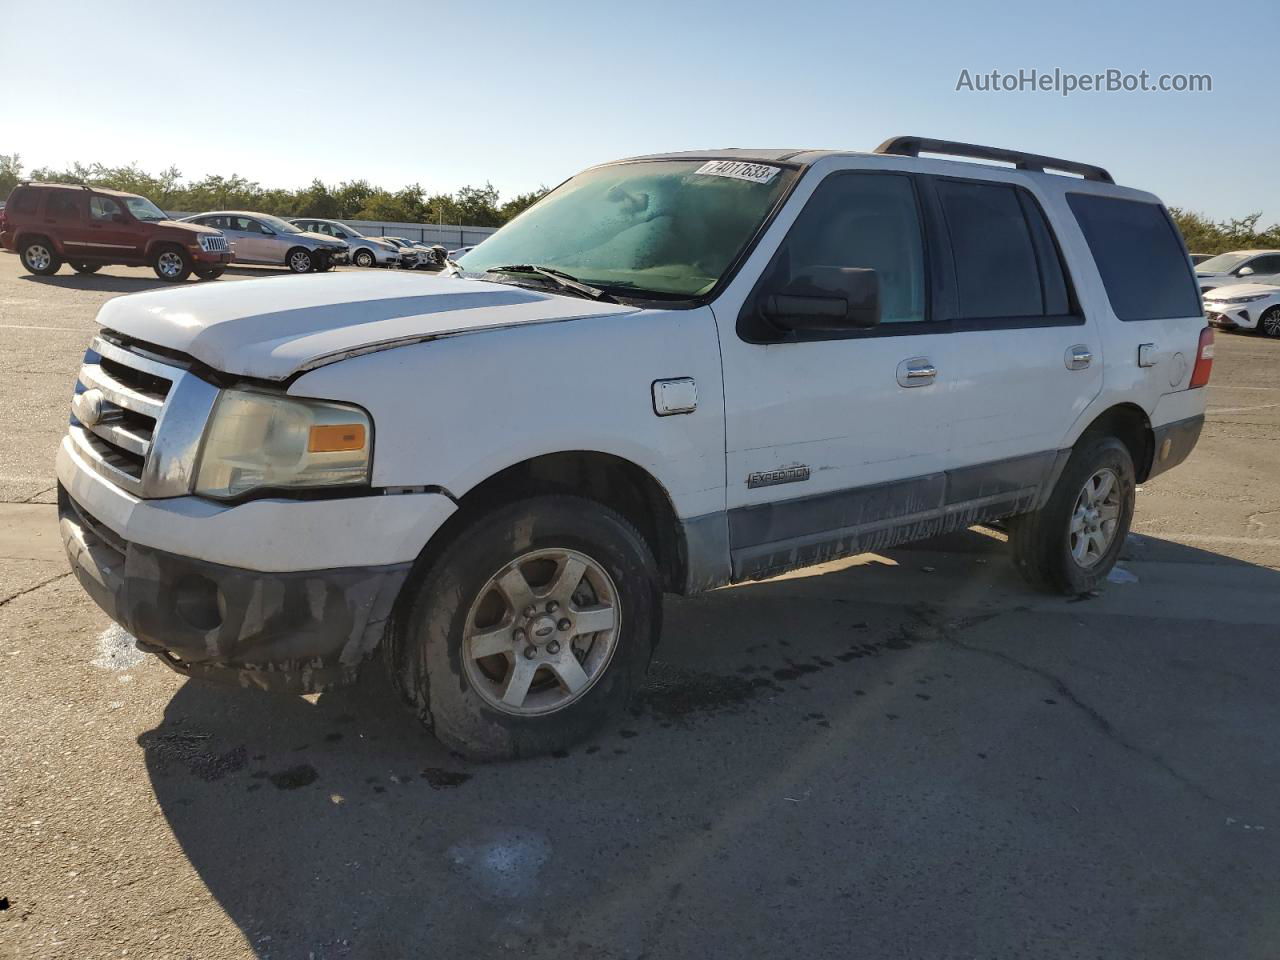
<point>1244,306</point>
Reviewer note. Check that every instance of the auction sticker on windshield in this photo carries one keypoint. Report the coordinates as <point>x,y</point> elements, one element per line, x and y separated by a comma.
<point>738,170</point>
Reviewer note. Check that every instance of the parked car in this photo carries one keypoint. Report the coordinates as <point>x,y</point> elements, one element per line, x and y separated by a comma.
<point>1240,266</point>
<point>1245,306</point>
<point>683,371</point>
<point>408,253</point>
<point>262,238</point>
<point>48,224</point>
<point>429,257</point>
<point>365,251</point>
<point>461,251</point>
<point>1198,258</point>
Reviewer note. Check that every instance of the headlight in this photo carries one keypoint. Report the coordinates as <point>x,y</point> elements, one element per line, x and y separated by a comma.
<point>1248,299</point>
<point>258,439</point>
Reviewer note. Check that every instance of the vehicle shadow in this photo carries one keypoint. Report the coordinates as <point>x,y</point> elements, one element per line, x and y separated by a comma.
<point>336,826</point>
<point>112,283</point>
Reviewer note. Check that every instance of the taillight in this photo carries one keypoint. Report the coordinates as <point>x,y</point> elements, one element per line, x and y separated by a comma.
<point>1204,359</point>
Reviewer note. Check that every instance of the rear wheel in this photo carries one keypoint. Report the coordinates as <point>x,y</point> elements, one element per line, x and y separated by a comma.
<point>39,257</point>
<point>1071,544</point>
<point>86,268</point>
<point>1269,323</point>
<point>209,273</point>
<point>300,260</point>
<point>530,630</point>
<point>171,263</point>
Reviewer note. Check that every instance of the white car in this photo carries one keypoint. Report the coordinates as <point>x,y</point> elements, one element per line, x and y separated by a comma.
<point>1245,306</point>
<point>679,372</point>
<point>365,251</point>
<point>1240,266</point>
<point>429,257</point>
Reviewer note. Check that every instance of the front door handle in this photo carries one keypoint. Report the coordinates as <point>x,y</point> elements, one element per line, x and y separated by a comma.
<point>916,372</point>
<point>1078,357</point>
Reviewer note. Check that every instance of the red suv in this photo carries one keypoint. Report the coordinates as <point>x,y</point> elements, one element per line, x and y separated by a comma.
<point>48,224</point>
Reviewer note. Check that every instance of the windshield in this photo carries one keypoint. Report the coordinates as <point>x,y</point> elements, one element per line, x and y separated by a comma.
<point>1222,263</point>
<point>144,209</point>
<point>668,227</point>
<point>276,224</point>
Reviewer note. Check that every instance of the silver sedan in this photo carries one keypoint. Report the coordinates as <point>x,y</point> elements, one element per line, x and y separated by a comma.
<point>262,238</point>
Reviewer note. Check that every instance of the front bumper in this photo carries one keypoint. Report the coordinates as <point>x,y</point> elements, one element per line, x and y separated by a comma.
<point>338,257</point>
<point>212,258</point>
<point>296,631</point>
<point>1227,316</point>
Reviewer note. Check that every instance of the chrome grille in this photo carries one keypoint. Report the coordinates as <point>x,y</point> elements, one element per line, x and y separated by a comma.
<point>137,420</point>
<point>214,244</point>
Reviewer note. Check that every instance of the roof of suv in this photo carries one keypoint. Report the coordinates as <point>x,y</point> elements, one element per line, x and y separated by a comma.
<point>903,147</point>
<point>80,186</point>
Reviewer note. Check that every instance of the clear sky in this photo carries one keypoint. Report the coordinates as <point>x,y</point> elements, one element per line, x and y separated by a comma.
<point>520,94</point>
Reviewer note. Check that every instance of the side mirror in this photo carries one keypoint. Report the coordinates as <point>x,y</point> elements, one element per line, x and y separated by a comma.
<point>826,299</point>
<point>1245,272</point>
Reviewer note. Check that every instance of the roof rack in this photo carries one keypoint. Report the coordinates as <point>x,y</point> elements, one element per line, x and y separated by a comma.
<point>914,146</point>
<point>51,183</point>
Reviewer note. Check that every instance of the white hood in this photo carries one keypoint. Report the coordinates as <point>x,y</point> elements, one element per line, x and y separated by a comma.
<point>1241,290</point>
<point>276,326</point>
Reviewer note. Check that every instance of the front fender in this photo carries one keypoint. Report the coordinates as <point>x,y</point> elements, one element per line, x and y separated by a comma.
<point>454,411</point>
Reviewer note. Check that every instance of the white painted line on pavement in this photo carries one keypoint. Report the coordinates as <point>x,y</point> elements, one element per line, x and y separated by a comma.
<point>19,326</point>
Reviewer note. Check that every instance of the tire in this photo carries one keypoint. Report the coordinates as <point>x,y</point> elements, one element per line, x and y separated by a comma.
<point>40,257</point>
<point>364,258</point>
<point>86,268</point>
<point>1043,541</point>
<point>324,264</point>
<point>210,273</point>
<point>456,603</point>
<point>300,260</point>
<point>171,263</point>
<point>1269,323</point>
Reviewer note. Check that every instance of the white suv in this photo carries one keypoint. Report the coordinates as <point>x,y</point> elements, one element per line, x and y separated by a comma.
<point>675,372</point>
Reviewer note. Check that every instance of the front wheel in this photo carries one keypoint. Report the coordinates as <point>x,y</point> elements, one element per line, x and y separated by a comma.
<point>1071,543</point>
<point>39,257</point>
<point>210,273</point>
<point>530,630</point>
<point>1269,323</point>
<point>86,268</point>
<point>363,258</point>
<point>171,264</point>
<point>300,260</point>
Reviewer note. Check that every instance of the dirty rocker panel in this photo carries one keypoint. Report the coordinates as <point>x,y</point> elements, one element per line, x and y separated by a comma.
<point>769,538</point>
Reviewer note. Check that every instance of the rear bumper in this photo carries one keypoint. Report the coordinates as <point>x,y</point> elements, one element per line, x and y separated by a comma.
<point>1174,443</point>
<point>295,631</point>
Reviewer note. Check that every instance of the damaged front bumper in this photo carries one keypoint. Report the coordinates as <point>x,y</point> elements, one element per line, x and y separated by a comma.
<point>297,631</point>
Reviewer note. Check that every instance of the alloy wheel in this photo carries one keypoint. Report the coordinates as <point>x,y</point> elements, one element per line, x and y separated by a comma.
<point>38,256</point>
<point>541,632</point>
<point>169,264</point>
<point>1095,518</point>
<point>300,262</point>
<point>1271,322</point>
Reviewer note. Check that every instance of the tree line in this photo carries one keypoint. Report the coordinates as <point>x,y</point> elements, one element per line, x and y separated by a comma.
<point>350,200</point>
<point>469,206</point>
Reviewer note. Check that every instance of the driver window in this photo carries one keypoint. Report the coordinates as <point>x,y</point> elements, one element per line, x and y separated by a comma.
<point>867,220</point>
<point>103,208</point>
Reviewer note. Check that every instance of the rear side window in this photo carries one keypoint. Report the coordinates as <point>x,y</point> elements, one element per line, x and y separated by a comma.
<point>23,201</point>
<point>1005,260</point>
<point>1140,257</point>
<point>62,205</point>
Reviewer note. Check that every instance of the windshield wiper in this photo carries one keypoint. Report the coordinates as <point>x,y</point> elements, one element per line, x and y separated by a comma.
<point>559,278</point>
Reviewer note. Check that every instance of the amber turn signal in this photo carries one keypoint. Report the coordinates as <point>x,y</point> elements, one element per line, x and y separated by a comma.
<point>331,438</point>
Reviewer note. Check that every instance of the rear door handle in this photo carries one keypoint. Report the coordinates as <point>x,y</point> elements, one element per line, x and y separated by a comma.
<point>916,372</point>
<point>1078,357</point>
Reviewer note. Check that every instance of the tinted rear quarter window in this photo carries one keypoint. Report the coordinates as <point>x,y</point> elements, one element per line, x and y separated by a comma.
<point>1139,256</point>
<point>23,200</point>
